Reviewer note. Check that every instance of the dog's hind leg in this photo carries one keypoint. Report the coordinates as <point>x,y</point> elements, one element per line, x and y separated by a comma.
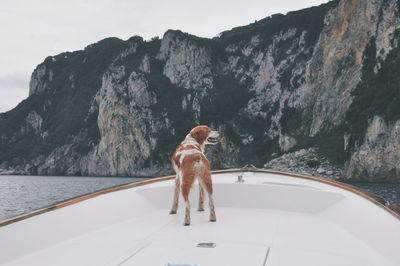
<point>208,187</point>
<point>187,182</point>
<point>213,217</point>
<point>185,193</point>
<point>201,197</point>
<point>176,195</point>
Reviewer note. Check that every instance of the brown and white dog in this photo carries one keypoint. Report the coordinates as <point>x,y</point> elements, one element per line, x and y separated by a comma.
<point>190,164</point>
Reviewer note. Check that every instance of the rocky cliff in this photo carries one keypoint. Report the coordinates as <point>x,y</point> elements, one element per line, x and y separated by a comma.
<point>315,90</point>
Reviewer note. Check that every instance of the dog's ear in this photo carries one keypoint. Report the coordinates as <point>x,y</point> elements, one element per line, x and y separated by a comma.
<point>200,134</point>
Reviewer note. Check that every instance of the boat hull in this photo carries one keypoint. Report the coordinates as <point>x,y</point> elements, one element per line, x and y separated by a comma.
<point>272,218</point>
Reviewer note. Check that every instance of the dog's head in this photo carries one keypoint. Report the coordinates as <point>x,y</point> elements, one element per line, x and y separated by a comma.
<point>204,135</point>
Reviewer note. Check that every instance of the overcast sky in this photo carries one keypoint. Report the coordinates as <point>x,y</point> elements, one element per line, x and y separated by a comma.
<point>32,30</point>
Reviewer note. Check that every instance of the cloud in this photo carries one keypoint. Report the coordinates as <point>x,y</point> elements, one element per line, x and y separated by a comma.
<point>10,97</point>
<point>37,29</point>
<point>15,81</point>
<point>14,88</point>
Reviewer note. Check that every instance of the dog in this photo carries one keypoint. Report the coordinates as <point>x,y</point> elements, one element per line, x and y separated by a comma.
<point>190,163</point>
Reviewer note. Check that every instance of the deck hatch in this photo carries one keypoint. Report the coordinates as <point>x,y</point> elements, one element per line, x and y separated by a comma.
<point>206,245</point>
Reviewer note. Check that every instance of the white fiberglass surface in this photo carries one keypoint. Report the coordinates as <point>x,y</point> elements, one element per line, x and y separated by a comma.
<point>276,220</point>
<point>187,253</point>
<point>255,196</point>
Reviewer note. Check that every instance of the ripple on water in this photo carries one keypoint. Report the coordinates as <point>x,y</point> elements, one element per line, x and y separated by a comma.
<point>23,194</point>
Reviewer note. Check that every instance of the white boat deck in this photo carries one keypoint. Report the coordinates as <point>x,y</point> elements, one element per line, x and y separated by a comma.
<point>267,220</point>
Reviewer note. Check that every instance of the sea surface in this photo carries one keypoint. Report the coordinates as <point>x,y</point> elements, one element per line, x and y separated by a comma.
<point>24,194</point>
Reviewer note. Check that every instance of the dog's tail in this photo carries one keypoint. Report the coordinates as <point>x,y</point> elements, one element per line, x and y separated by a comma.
<point>198,159</point>
<point>198,163</point>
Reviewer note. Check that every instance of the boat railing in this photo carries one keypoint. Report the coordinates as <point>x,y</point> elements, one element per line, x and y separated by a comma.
<point>246,168</point>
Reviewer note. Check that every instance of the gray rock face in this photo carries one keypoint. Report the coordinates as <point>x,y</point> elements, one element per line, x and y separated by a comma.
<point>280,90</point>
<point>308,162</point>
<point>187,64</point>
<point>63,160</point>
<point>33,123</point>
<point>275,80</point>
<point>336,66</point>
<point>125,123</point>
<point>378,158</point>
<point>40,79</point>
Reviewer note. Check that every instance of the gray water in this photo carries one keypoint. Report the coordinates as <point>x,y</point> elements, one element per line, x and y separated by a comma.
<point>24,194</point>
<point>389,192</point>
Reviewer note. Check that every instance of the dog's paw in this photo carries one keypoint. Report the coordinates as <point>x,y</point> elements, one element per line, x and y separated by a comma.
<point>186,223</point>
<point>172,212</point>
<point>200,209</point>
<point>213,219</point>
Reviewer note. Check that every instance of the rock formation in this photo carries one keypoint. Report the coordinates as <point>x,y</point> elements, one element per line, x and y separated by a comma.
<point>316,83</point>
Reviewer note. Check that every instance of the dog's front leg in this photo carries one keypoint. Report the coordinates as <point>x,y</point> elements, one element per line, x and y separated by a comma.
<point>176,195</point>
